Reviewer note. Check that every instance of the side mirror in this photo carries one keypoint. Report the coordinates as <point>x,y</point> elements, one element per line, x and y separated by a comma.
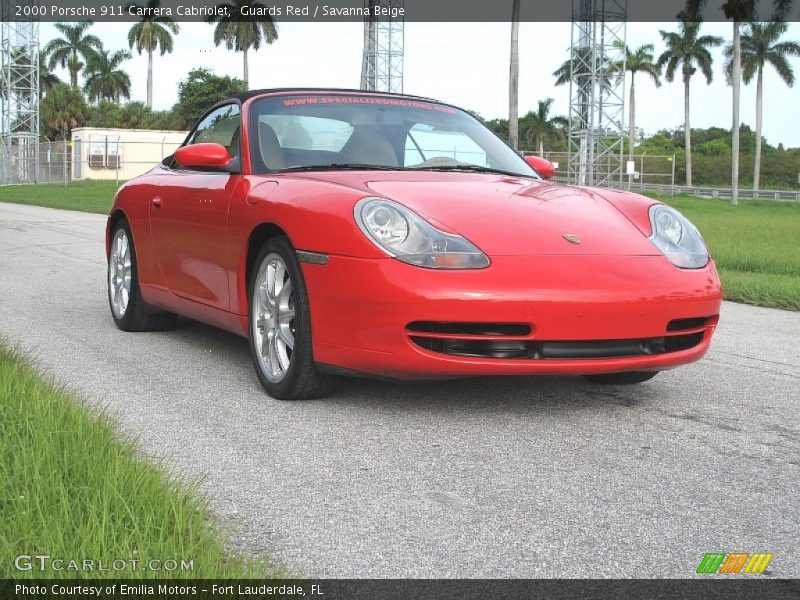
<point>542,166</point>
<point>203,156</point>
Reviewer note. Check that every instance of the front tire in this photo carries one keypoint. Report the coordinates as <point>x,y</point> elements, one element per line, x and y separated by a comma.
<point>280,326</point>
<point>627,378</point>
<point>124,296</point>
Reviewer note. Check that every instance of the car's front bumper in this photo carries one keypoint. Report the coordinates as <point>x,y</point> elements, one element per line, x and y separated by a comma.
<point>361,310</point>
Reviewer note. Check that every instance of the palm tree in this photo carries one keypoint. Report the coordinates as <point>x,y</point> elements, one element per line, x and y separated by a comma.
<point>104,80</point>
<point>580,68</point>
<point>62,110</point>
<point>47,79</point>
<point>540,124</point>
<point>22,59</point>
<point>636,61</point>
<point>513,79</point>
<point>69,51</point>
<point>760,46</point>
<point>240,34</point>
<point>737,11</point>
<point>150,34</point>
<point>687,50</point>
<point>740,11</point>
<point>563,74</point>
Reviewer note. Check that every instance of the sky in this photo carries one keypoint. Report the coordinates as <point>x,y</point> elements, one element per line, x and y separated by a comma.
<point>465,64</point>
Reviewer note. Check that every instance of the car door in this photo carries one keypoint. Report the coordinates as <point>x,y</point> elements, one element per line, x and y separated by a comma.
<point>188,216</point>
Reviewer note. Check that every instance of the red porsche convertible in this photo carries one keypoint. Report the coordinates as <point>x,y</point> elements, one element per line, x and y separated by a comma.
<point>347,232</point>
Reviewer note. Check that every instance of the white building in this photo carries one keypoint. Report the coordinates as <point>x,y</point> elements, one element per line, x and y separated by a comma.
<point>100,153</point>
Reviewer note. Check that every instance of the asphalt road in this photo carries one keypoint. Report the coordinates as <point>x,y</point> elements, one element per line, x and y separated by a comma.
<point>527,477</point>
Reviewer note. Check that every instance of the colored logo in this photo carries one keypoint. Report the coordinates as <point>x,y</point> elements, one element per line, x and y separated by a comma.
<point>733,563</point>
<point>572,238</point>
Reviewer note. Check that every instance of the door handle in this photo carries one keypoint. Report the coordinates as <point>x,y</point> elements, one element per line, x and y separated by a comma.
<point>156,202</point>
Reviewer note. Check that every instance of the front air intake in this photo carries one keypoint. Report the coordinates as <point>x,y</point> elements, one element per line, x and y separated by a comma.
<point>480,329</point>
<point>684,324</point>
<point>528,349</point>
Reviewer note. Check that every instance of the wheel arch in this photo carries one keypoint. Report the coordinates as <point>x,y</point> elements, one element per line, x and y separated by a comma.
<point>114,218</point>
<point>260,235</point>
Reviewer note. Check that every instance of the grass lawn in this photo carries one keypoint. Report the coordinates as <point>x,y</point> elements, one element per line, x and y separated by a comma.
<point>756,247</point>
<point>87,196</point>
<point>71,489</point>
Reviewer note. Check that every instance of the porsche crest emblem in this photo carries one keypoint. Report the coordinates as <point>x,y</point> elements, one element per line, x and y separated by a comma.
<point>572,238</point>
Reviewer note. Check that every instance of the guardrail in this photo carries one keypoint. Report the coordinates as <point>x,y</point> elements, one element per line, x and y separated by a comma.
<point>708,192</point>
<point>712,192</point>
<point>655,173</point>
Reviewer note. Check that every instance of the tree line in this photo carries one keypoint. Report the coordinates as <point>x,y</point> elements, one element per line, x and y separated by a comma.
<point>711,151</point>
<point>755,45</point>
<point>686,54</point>
<point>65,107</point>
<point>82,53</point>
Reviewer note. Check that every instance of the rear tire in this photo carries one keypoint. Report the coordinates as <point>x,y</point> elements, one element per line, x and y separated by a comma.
<point>280,326</point>
<point>626,378</point>
<point>129,311</point>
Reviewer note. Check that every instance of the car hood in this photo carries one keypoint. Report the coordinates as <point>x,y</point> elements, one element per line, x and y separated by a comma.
<point>505,215</point>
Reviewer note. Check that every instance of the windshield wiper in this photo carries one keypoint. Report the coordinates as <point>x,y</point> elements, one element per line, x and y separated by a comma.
<point>472,168</point>
<point>340,166</point>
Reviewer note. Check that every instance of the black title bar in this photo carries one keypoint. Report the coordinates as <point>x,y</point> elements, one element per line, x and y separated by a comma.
<point>331,11</point>
<point>705,587</point>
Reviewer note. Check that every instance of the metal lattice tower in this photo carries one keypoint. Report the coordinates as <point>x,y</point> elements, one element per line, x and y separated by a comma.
<point>384,38</point>
<point>19,94</point>
<point>597,97</point>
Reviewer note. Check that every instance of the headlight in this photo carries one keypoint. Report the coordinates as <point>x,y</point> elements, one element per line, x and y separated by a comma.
<point>406,236</point>
<point>677,238</point>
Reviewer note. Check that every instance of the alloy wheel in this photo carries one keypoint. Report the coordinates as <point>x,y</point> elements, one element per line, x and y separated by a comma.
<point>273,318</point>
<point>119,273</point>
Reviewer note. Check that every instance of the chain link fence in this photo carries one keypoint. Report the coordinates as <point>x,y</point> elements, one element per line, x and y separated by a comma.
<point>97,157</point>
<point>639,171</point>
<point>656,173</point>
<point>47,162</point>
<point>109,157</point>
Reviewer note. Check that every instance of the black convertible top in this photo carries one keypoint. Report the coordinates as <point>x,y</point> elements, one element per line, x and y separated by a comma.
<point>242,96</point>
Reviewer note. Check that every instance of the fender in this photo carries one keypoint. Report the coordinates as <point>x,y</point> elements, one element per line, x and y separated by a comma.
<point>287,203</point>
<point>133,201</point>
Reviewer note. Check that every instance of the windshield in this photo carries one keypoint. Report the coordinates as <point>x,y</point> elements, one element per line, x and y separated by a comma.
<point>339,131</point>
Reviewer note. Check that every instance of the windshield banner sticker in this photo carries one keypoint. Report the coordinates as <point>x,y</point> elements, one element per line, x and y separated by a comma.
<point>305,100</point>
